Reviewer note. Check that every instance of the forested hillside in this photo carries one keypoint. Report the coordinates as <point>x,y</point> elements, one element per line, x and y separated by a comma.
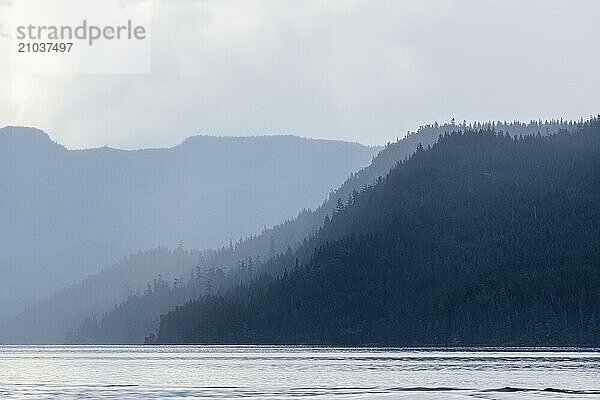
<point>51,320</point>
<point>246,259</point>
<point>484,239</point>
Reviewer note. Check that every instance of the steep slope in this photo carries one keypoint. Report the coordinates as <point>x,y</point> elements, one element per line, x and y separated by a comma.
<point>484,239</point>
<point>291,233</point>
<point>70,213</point>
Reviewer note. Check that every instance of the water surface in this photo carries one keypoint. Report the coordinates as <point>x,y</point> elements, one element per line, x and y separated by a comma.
<point>264,372</point>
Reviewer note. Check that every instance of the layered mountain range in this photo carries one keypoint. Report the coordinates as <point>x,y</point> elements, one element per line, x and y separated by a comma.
<point>170,197</point>
<point>66,214</point>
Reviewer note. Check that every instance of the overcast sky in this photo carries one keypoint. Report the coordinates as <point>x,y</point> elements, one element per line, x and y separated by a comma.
<point>358,70</point>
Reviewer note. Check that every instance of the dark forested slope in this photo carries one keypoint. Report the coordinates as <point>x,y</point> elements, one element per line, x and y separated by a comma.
<point>482,239</point>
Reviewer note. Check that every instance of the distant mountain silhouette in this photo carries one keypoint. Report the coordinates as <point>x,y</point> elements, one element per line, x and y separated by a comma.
<point>67,213</point>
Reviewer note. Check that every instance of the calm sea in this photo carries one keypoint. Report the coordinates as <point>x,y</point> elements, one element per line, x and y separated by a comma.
<point>263,372</point>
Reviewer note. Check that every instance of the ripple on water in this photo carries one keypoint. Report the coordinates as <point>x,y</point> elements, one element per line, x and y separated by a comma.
<point>287,372</point>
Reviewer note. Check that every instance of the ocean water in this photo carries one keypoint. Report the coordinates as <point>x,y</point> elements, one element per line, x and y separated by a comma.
<point>291,372</point>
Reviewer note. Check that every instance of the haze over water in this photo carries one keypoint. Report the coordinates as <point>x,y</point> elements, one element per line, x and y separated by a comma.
<point>265,372</point>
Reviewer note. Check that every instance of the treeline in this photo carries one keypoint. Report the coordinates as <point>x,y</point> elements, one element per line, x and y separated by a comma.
<point>292,233</point>
<point>483,239</point>
<point>137,317</point>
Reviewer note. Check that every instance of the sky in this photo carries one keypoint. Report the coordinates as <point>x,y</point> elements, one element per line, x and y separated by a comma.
<point>357,70</point>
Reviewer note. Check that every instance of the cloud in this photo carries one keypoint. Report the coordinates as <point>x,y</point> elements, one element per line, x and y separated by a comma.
<point>356,70</point>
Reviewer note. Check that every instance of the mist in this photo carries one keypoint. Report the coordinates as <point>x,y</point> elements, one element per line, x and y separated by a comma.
<point>73,213</point>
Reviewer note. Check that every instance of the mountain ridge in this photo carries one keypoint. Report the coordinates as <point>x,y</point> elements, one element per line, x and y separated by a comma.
<point>24,131</point>
<point>81,210</point>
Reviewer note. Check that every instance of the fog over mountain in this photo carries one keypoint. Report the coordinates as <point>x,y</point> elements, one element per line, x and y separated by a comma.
<point>52,321</point>
<point>68,213</point>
